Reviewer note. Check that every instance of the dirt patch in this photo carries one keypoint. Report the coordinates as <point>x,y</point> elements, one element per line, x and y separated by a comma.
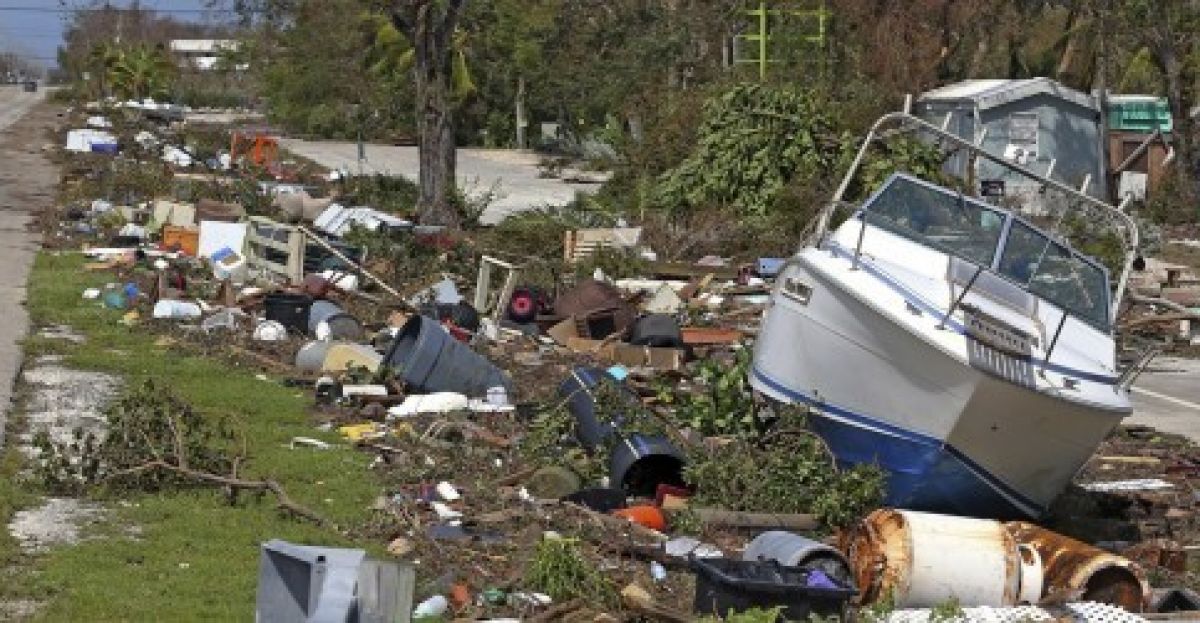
<point>63,400</point>
<point>62,332</point>
<point>58,521</point>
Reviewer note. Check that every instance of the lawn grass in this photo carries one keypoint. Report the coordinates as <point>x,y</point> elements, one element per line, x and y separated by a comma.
<point>186,555</point>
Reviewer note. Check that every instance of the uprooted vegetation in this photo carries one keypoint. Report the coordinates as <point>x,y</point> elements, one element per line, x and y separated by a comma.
<point>154,442</point>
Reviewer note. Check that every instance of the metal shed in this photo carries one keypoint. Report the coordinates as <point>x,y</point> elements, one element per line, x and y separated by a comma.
<point>1036,122</point>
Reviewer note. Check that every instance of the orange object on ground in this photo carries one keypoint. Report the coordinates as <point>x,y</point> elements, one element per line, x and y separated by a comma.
<point>646,516</point>
<point>186,239</point>
<point>259,146</point>
<point>460,595</point>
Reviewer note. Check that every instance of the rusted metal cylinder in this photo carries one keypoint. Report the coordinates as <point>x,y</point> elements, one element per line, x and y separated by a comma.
<point>1076,571</point>
<point>920,560</point>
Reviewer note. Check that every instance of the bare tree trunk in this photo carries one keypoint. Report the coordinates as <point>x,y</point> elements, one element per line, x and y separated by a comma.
<point>1179,90</point>
<point>1068,54</point>
<point>430,26</point>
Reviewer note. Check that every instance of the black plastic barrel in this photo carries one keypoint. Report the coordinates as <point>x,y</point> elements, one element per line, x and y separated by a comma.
<point>656,330</point>
<point>429,360</point>
<point>724,585</point>
<point>577,391</point>
<point>639,463</point>
<point>288,309</point>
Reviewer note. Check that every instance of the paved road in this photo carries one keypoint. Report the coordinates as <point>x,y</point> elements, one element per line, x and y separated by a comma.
<point>27,183</point>
<point>1167,397</point>
<point>512,173</point>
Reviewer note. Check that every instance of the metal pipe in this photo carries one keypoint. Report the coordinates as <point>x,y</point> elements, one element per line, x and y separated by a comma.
<point>1130,230</point>
<point>341,256</point>
<point>1054,340</point>
<point>862,231</point>
<point>961,295</point>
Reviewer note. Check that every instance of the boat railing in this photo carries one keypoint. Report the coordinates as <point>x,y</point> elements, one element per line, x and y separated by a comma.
<point>1121,222</point>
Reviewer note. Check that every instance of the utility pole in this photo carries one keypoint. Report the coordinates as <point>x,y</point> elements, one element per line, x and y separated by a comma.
<point>768,35</point>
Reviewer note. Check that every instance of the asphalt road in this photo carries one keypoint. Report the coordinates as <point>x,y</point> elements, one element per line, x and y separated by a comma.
<point>27,182</point>
<point>511,174</point>
<point>1167,397</point>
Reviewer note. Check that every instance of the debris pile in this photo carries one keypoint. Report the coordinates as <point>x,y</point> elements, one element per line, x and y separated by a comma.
<point>578,448</point>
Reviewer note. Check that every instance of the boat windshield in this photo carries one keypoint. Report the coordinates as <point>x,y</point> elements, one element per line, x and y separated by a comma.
<point>972,230</point>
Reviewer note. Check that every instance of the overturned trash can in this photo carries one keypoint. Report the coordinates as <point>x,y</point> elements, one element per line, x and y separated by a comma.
<point>638,464</point>
<point>430,360</point>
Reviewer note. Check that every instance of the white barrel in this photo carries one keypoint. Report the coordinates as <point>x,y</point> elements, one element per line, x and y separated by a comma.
<point>922,560</point>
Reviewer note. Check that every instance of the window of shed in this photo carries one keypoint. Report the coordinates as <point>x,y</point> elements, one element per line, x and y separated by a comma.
<point>1023,135</point>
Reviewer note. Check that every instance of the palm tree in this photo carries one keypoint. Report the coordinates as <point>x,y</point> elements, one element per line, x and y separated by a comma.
<point>103,57</point>
<point>142,71</point>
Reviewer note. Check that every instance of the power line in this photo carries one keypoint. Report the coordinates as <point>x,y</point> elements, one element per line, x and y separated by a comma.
<point>43,9</point>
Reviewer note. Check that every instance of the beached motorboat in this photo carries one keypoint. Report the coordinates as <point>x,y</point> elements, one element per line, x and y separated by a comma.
<point>964,349</point>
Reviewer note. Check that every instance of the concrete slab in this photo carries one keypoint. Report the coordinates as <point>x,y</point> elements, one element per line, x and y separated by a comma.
<point>27,181</point>
<point>511,174</point>
<point>1167,397</point>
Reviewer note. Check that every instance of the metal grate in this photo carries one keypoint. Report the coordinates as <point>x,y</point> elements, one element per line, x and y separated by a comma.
<point>1083,612</point>
<point>998,349</point>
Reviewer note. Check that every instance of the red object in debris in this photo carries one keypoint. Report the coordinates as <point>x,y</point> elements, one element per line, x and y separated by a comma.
<point>646,516</point>
<point>523,306</point>
<point>664,490</point>
<point>457,332</point>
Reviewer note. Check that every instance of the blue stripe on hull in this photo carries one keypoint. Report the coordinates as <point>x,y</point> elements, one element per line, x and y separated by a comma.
<point>924,473</point>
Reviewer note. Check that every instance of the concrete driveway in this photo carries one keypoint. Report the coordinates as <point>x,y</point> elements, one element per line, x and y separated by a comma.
<point>511,173</point>
<point>1167,397</point>
<point>27,182</point>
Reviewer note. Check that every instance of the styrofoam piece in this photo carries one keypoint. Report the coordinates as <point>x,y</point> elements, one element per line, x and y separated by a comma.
<point>215,235</point>
<point>338,219</point>
<point>440,402</point>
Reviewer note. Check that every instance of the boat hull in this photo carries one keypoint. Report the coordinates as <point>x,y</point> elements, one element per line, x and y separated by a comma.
<point>952,438</point>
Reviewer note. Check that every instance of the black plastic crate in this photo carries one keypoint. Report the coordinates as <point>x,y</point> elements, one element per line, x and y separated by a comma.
<point>724,585</point>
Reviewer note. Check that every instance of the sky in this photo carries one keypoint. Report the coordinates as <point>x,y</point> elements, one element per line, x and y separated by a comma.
<point>33,28</point>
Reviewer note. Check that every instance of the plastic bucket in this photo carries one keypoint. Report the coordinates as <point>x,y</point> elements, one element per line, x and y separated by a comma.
<point>793,550</point>
<point>289,310</point>
<point>342,326</point>
<point>429,360</point>
<point>639,464</point>
<point>311,356</point>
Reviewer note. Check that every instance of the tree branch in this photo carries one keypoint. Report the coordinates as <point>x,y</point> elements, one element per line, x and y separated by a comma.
<point>283,501</point>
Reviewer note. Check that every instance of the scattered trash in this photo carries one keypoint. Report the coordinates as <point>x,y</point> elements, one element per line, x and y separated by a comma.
<point>270,331</point>
<point>309,442</point>
<point>792,550</point>
<point>1144,484</point>
<point>166,308</point>
<point>725,585</point>
<point>437,402</point>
